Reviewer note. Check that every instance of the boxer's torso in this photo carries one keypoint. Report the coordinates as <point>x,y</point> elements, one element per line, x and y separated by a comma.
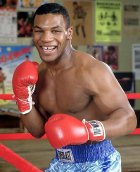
<point>65,91</point>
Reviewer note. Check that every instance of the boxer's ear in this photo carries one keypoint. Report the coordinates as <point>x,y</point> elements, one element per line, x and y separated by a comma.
<point>69,33</point>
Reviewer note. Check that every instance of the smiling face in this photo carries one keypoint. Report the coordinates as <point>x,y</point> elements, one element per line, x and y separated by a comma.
<point>50,36</point>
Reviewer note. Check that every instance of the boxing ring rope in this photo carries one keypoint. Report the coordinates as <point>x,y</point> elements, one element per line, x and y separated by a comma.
<point>27,136</point>
<point>12,96</point>
<point>133,95</point>
<point>19,162</point>
<point>18,136</point>
<point>7,154</point>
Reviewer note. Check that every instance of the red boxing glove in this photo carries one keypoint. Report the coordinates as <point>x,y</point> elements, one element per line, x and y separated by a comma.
<point>23,82</point>
<point>63,130</point>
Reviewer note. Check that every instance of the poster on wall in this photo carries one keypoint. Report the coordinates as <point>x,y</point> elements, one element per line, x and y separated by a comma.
<point>110,56</point>
<point>8,4</point>
<point>107,54</point>
<point>30,4</point>
<point>8,28</point>
<point>136,60</point>
<point>10,58</point>
<point>24,21</point>
<point>80,15</point>
<point>108,21</point>
<point>132,19</point>
<point>96,51</point>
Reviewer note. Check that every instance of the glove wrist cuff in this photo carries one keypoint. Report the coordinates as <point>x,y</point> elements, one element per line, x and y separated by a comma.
<point>96,130</point>
<point>25,106</point>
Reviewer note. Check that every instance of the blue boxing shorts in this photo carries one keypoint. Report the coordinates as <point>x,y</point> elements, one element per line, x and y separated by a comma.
<point>98,157</point>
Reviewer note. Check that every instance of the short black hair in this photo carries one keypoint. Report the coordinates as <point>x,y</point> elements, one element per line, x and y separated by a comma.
<point>53,8</point>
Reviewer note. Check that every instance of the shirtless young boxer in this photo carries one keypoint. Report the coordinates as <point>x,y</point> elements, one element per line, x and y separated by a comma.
<point>78,102</point>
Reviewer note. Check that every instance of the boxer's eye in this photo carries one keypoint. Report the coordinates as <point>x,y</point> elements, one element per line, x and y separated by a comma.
<point>37,30</point>
<point>56,31</point>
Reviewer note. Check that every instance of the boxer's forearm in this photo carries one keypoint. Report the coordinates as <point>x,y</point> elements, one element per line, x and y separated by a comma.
<point>34,122</point>
<point>119,123</point>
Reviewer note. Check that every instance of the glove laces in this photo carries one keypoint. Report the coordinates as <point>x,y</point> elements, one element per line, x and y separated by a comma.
<point>28,102</point>
<point>31,90</point>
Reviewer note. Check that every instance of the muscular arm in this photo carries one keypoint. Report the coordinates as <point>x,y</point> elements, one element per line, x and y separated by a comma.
<point>34,122</point>
<point>120,118</point>
<point>36,119</point>
<point>33,116</point>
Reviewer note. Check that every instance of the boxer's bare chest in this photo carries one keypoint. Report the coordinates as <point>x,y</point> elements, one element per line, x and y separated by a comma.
<point>63,93</point>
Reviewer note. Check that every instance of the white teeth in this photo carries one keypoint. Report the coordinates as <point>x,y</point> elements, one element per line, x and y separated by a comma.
<point>48,48</point>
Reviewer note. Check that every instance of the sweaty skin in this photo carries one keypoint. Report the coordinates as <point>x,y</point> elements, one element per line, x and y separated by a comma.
<point>74,83</point>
